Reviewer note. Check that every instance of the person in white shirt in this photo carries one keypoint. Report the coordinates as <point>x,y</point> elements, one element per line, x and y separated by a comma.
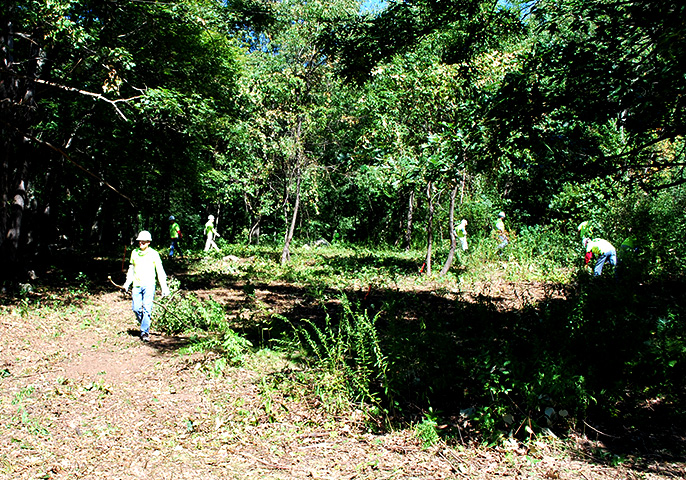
<point>462,234</point>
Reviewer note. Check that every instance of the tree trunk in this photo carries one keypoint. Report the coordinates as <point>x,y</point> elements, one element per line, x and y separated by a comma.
<point>464,180</point>
<point>451,228</point>
<point>429,227</point>
<point>17,96</point>
<point>10,264</point>
<point>255,230</point>
<point>255,222</point>
<point>299,166</point>
<point>286,253</point>
<point>408,228</point>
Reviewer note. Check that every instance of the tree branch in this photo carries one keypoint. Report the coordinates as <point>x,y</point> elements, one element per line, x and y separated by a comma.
<point>98,96</point>
<point>68,157</point>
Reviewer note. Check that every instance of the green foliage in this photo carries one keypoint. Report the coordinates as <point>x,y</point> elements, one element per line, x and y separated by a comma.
<point>426,431</point>
<point>349,354</point>
<point>186,313</point>
<point>232,346</point>
<point>538,253</point>
<point>549,363</point>
<point>601,349</point>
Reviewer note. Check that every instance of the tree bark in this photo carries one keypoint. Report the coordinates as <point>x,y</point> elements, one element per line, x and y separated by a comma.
<point>256,221</point>
<point>255,230</point>
<point>286,253</point>
<point>299,166</point>
<point>408,228</point>
<point>17,97</point>
<point>451,228</point>
<point>429,227</point>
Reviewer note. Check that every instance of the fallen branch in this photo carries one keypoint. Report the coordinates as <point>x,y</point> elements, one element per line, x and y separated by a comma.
<point>598,431</point>
<point>268,464</point>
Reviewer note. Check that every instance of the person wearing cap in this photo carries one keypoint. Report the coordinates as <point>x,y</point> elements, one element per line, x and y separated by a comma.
<point>145,266</point>
<point>603,250</point>
<point>627,256</point>
<point>210,232</point>
<point>585,229</point>
<point>175,235</point>
<point>500,230</point>
<point>462,234</point>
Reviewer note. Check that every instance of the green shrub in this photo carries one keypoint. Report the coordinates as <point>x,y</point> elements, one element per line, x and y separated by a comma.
<point>426,431</point>
<point>186,313</point>
<point>348,352</point>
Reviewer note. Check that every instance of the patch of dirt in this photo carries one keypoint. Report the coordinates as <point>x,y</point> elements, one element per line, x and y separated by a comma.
<point>82,397</point>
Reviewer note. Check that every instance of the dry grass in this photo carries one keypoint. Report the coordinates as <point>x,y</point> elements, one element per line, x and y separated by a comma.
<point>82,397</point>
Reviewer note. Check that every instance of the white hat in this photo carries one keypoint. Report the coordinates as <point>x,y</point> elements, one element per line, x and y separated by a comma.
<point>501,214</point>
<point>210,217</point>
<point>144,236</point>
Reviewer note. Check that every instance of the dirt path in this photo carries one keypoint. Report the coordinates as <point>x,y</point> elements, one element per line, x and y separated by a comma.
<point>82,397</point>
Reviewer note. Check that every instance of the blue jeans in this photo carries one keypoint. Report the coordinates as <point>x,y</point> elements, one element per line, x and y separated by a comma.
<point>175,247</point>
<point>141,304</point>
<point>610,256</point>
<point>503,241</point>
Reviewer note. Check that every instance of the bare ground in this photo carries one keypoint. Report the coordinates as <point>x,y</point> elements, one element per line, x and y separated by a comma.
<point>82,397</point>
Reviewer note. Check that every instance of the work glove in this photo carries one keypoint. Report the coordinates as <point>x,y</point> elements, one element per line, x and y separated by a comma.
<point>126,287</point>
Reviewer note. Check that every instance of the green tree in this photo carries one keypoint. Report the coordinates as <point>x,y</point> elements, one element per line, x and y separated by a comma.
<point>598,93</point>
<point>290,98</point>
<point>101,102</point>
<point>424,119</point>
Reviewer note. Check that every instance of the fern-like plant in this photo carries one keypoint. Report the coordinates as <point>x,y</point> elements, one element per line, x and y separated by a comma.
<point>349,353</point>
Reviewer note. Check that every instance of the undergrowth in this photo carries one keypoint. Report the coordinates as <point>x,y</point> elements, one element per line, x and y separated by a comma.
<point>406,347</point>
<point>184,312</point>
<point>349,356</point>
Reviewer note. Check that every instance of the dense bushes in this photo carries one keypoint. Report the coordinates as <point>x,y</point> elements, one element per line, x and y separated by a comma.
<point>607,348</point>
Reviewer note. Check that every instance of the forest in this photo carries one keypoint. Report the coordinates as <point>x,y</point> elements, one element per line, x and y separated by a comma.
<point>368,131</point>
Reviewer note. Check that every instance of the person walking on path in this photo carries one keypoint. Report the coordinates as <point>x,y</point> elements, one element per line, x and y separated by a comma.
<point>210,233</point>
<point>500,230</point>
<point>175,236</point>
<point>145,266</point>
<point>603,250</point>
<point>462,234</point>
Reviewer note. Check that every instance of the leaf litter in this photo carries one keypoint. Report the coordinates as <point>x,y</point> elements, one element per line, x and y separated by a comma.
<point>82,397</point>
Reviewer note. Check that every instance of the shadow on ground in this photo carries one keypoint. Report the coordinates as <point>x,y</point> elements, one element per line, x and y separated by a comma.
<point>609,353</point>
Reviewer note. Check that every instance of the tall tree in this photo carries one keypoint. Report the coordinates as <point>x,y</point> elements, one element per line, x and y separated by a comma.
<point>599,92</point>
<point>101,100</point>
<point>290,98</point>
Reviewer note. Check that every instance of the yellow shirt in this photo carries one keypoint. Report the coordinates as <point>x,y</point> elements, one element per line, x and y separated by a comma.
<point>144,265</point>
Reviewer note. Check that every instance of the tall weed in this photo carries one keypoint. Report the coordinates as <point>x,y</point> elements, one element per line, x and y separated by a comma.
<point>540,253</point>
<point>348,353</point>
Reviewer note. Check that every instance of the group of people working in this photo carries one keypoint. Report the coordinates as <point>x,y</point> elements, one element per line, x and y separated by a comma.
<point>175,235</point>
<point>461,232</point>
<point>603,251</point>
<point>145,270</point>
<point>145,265</point>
